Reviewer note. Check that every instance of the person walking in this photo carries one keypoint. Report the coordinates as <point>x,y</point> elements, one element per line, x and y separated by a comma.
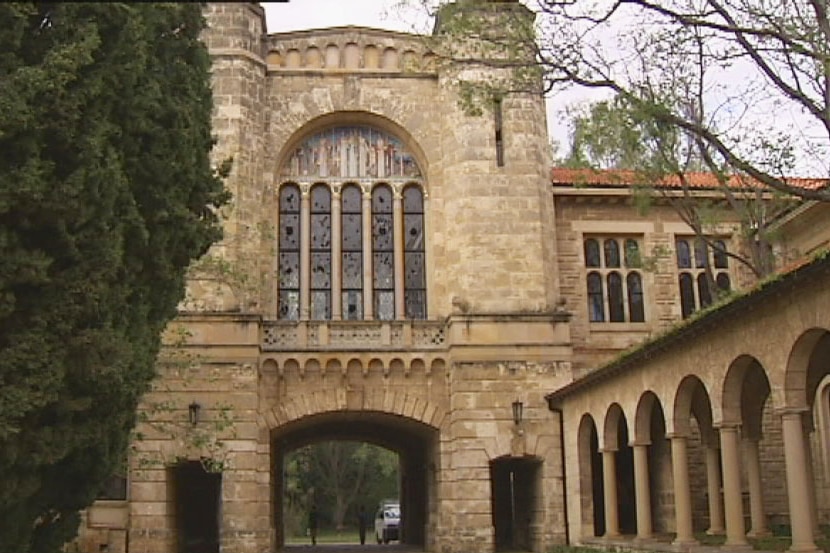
<point>312,524</point>
<point>362,522</point>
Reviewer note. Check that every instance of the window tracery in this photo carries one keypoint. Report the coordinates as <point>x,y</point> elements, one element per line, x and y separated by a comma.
<point>614,285</point>
<point>695,292</point>
<point>346,250</point>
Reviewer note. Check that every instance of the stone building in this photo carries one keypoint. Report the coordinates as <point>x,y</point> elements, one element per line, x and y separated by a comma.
<point>398,271</point>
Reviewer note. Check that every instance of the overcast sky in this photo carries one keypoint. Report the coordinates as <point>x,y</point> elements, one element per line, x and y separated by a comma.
<point>315,14</point>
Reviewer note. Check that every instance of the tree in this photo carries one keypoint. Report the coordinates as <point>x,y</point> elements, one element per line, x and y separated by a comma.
<point>106,196</point>
<point>724,74</point>
<point>339,476</point>
<point>660,163</point>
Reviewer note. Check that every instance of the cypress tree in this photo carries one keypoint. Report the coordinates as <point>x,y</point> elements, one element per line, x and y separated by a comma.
<point>106,195</point>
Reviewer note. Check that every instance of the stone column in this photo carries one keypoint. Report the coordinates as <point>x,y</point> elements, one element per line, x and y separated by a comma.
<point>682,492</point>
<point>642,492</point>
<point>735,531</point>
<point>713,485</point>
<point>758,518</point>
<point>368,303</point>
<point>305,251</point>
<point>798,488</point>
<point>609,482</point>
<point>397,233</point>
<point>336,255</point>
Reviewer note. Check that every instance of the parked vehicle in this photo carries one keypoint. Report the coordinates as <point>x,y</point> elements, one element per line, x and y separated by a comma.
<point>388,521</point>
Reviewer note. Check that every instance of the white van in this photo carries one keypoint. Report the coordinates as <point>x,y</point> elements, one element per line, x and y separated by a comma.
<point>388,522</point>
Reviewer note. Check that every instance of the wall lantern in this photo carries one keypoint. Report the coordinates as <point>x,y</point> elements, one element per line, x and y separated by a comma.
<point>518,407</point>
<point>193,413</point>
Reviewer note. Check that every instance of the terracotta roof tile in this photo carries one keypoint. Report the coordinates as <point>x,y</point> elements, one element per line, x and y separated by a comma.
<point>625,178</point>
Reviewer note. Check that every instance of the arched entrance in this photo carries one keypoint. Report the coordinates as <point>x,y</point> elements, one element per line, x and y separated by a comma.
<point>413,441</point>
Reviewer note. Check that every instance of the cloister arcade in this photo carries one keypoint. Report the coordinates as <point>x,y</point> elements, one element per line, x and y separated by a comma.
<point>716,426</point>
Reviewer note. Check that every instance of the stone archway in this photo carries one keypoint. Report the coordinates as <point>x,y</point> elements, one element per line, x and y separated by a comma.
<point>415,442</point>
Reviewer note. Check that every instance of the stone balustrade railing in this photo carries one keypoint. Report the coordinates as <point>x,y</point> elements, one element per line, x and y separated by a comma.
<point>353,335</point>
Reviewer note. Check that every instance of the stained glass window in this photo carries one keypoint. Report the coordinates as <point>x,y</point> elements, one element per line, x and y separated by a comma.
<point>352,253</point>
<point>383,253</point>
<point>345,152</point>
<point>612,253</point>
<point>695,289</point>
<point>684,255</point>
<point>687,294</point>
<point>415,280</point>
<point>320,252</point>
<point>289,255</point>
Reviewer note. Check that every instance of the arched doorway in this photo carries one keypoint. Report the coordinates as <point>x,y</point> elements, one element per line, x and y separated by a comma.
<point>414,442</point>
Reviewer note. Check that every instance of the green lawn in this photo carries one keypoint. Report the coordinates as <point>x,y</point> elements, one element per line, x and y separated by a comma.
<point>348,535</point>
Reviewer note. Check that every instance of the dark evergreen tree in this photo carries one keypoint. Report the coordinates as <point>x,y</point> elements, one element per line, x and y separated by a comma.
<point>106,195</point>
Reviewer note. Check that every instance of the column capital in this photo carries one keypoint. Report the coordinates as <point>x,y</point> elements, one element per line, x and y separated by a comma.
<point>639,443</point>
<point>335,191</point>
<point>789,411</point>
<point>727,426</point>
<point>676,436</point>
<point>607,450</point>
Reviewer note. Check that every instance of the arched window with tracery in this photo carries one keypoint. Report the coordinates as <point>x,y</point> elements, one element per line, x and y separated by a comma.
<point>383,252</point>
<point>289,254</point>
<point>349,251</point>
<point>695,291</point>
<point>613,287</point>
<point>415,278</point>
<point>320,252</point>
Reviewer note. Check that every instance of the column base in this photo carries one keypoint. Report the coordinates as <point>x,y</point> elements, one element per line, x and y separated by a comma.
<point>715,531</point>
<point>644,539</point>
<point>684,545</point>
<point>762,533</point>
<point>806,548</point>
<point>736,547</point>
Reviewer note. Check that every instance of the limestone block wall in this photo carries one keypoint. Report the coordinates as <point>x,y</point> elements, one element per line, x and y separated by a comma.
<point>602,215</point>
<point>221,376</point>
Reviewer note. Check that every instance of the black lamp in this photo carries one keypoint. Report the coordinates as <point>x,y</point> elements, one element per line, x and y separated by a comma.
<point>193,412</point>
<point>518,407</point>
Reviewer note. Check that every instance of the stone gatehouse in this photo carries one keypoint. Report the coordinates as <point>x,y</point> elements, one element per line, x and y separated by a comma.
<point>400,272</point>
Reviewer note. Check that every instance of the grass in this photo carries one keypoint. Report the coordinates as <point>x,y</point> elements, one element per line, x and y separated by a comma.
<point>329,536</point>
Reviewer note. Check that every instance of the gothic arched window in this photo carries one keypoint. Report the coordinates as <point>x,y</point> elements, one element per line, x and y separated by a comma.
<point>289,255</point>
<point>352,253</point>
<point>611,285</point>
<point>414,264</point>
<point>349,251</point>
<point>320,252</point>
<point>383,253</point>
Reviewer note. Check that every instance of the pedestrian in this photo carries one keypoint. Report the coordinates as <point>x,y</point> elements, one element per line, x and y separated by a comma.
<point>362,522</point>
<point>312,524</point>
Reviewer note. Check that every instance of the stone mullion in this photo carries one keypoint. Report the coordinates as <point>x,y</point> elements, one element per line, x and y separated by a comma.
<point>305,251</point>
<point>397,233</point>
<point>368,304</point>
<point>336,255</point>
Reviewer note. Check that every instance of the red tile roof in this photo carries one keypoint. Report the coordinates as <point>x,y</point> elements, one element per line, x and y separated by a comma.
<point>624,178</point>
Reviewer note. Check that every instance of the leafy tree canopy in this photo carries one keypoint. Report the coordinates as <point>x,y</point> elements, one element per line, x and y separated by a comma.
<point>106,195</point>
<point>746,83</point>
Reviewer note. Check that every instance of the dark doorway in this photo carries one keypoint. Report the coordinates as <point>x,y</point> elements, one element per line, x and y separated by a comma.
<point>197,494</point>
<point>514,482</point>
